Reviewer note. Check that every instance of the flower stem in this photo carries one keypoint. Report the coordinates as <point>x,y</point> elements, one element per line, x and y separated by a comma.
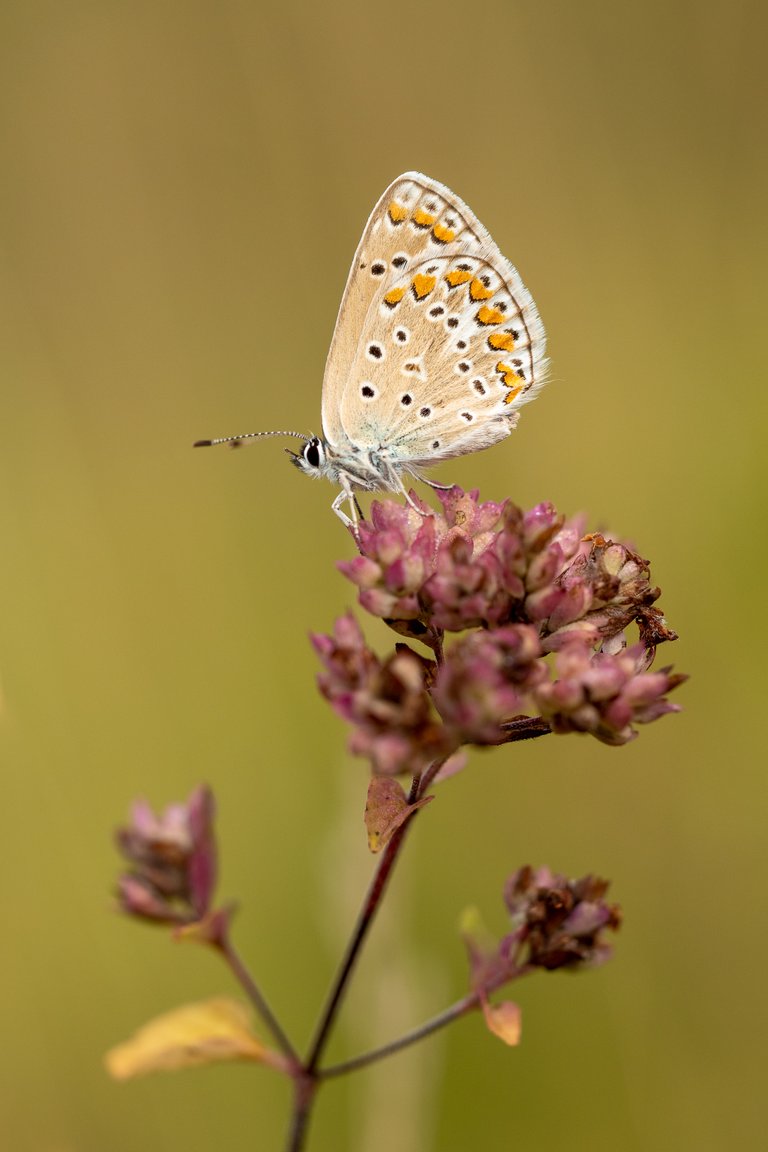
<point>239,969</point>
<point>305,1088</point>
<point>364,921</point>
<point>460,1008</point>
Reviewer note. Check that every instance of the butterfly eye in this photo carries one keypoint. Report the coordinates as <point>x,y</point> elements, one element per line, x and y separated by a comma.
<point>313,453</point>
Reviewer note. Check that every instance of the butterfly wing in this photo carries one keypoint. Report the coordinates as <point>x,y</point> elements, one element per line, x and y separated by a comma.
<point>438,342</point>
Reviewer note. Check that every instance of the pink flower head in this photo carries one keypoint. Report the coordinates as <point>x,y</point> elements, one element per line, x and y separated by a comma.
<point>544,611</point>
<point>605,694</point>
<point>421,571</point>
<point>486,679</point>
<point>172,858</point>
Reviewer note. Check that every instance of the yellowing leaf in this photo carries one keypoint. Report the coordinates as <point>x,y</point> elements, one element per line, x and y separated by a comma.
<point>386,809</point>
<point>204,1033</point>
<point>504,1021</point>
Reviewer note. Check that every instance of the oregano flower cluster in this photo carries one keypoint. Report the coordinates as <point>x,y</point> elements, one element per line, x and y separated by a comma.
<point>527,621</point>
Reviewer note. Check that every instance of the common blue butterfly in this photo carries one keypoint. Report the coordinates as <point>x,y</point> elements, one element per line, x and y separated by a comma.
<point>437,345</point>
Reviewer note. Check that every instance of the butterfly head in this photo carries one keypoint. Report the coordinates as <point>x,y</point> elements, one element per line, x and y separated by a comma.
<point>313,458</point>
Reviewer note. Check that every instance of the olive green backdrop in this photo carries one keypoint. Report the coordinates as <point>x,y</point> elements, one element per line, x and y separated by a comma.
<point>182,186</point>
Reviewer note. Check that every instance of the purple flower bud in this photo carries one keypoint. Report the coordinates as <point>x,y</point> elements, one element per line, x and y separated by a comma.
<point>465,590</point>
<point>439,569</point>
<point>604,694</point>
<point>386,701</point>
<point>486,679</point>
<point>172,858</point>
<point>539,526</point>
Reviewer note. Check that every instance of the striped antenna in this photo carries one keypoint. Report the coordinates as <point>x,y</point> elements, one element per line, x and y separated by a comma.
<point>236,441</point>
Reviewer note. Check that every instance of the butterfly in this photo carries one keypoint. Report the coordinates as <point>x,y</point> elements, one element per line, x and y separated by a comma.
<point>437,345</point>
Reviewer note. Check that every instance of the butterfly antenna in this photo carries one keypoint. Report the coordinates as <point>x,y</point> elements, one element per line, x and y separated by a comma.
<point>236,441</point>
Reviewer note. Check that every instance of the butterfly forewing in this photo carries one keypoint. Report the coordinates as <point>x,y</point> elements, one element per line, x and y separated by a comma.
<point>385,252</point>
<point>437,341</point>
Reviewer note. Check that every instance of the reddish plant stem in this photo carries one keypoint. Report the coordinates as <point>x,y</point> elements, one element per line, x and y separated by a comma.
<point>304,1093</point>
<point>227,949</point>
<point>460,1008</point>
<point>307,1079</point>
<point>467,1004</point>
<point>364,922</point>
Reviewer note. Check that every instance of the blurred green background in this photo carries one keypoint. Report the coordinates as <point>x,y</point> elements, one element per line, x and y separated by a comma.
<point>168,172</point>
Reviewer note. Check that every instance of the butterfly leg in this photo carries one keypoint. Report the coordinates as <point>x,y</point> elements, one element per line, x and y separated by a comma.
<point>438,487</point>
<point>347,521</point>
<point>397,485</point>
<point>414,505</point>
<point>347,496</point>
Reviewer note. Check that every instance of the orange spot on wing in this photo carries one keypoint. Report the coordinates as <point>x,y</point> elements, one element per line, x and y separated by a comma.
<point>501,342</point>
<point>443,234</point>
<point>478,290</point>
<point>456,277</point>
<point>486,315</point>
<point>422,219</point>
<point>508,377</point>
<point>422,285</point>
<point>397,213</point>
<point>513,394</point>
<point>394,296</point>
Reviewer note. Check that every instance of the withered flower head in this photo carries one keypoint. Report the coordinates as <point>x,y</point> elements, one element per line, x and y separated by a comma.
<point>557,923</point>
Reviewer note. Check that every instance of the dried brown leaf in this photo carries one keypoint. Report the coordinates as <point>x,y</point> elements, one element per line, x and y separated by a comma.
<point>386,809</point>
